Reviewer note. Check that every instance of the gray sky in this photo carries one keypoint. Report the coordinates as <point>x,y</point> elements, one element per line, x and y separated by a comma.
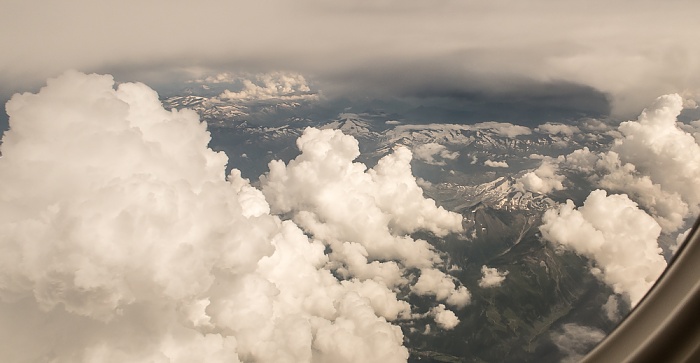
<point>631,51</point>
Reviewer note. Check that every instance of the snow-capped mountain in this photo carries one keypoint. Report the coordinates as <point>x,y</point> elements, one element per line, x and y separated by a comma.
<point>352,124</point>
<point>210,109</point>
<point>227,112</point>
<point>500,193</point>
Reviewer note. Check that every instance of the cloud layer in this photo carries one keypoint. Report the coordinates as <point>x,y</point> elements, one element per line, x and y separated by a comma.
<point>267,86</point>
<point>123,240</point>
<point>356,46</point>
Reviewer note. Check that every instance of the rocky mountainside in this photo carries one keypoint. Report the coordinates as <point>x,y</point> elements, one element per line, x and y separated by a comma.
<point>544,289</point>
<point>500,193</point>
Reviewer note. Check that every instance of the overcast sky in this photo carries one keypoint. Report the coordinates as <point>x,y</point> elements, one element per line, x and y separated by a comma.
<point>630,51</point>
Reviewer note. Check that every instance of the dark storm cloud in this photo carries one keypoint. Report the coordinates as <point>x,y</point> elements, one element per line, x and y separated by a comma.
<point>440,92</point>
<point>530,105</point>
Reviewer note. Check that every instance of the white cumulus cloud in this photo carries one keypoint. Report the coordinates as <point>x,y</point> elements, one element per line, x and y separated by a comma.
<point>496,164</point>
<point>491,277</point>
<point>444,318</point>
<point>658,148</point>
<point>428,153</point>
<point>680,239</point>
<point>329,195</point>
<point>653,160</point>
<point>619,237</point>
<point>266,86</point>
<point>557,129</point>
<point>542,180</point>
<point>442,286</point>
<point>118,225</point>
<point>502,128</point>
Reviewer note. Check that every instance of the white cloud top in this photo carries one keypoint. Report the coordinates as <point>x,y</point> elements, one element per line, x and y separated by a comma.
<point>542,180</point>
<point>491,277</point>
<point>658,148</point>
<point>496,164</point>
<point>115,216</point>
<point>329,195</point>
<point>428,153</point>
<point>653,160</point>
<point>616,234</point>
<point>275,85</point>
<point>444,318</point>
<point>442,286</point>
<point>557,129</point>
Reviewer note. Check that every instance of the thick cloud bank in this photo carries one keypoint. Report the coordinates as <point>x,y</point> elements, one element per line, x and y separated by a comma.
<point>121,239</point>
<point>275,85</point>
<point>364,215</point>
<point>654,160</point>
<point>489,50</point>
<point>619,237</point>
<point>658,148</point>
